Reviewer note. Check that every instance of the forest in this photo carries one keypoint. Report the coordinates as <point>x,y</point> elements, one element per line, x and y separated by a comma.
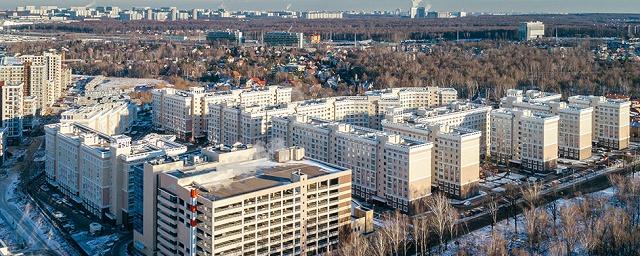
<point>486,68</point>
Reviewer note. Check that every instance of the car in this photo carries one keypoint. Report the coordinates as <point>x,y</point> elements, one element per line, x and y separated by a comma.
<point>58,214</point>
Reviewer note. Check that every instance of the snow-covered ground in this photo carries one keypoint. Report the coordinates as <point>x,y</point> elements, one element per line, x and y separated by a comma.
<point>32,217</point>
<point>478,238</point>
<point>126,83</point>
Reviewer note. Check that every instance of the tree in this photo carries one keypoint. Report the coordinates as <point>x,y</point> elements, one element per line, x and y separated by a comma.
<point>396,228</point>
<point>569,229</point>
<point>420,233</point>
<point>441,211</point>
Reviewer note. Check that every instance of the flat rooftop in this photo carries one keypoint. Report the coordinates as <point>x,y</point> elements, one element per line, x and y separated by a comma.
<point>234,179</point>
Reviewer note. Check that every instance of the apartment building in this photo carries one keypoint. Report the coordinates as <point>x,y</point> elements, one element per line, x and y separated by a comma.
<point>287,206</point>
<point>415,123</point>
<point>185,112</point>
<point>575,132</point>
<point>283,38</point>
<point>611,122</point>
<point>245,124</point>
<point>44,76</point>
<point>386,168</point>
<point>11,108</point>
<point>109,118</point>
<point>526,138</point>
<point>457,162</point>
<point>417,97</point>
<point>94,169</point>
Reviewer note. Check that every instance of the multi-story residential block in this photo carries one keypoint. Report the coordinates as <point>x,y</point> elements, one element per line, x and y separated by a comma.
<point>44,76</point>
<point>575,132</point>
<point>248,125</point>
<point>244,207</point>
<point>95,169</point>
<point>457,162</point>
<point>185,112</point>
<point>386,168</point>
<point>611,122</point>
<point>109,118</point>
<point>416,123</point>
<point>417,97</point>
<point>525,137</point>
<point>11,109</point>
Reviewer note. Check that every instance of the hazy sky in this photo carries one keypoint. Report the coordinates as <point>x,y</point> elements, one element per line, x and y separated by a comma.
<point>626,6</point>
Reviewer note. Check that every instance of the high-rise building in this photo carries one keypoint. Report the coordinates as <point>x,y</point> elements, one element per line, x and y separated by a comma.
<point>530,30</point>
<point>611,122</point>
<point>526,138</point>
<point>456,162</point>
<point>247,125</point>
<point>575,132</point>
<point>185,113</point>
<point>417,12</point>
<point>96,170</point>
<point>286,206</point>
<point>415,123</point>
<point>386,168</point>
<point>11,109</point>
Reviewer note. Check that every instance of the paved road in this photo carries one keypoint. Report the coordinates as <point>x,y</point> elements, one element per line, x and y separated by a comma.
<point>17,219</point>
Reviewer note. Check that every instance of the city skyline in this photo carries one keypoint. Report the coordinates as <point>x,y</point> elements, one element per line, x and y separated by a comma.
<point>526,6</point>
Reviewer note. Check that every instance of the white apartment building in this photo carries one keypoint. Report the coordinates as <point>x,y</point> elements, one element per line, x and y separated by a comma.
<point>248,125</point>
<point>525,137</point>
<point>575,132</point>
<point>94,169</point>
<point>185,112</point>
<point>457,162</point>
<point>386,168</point>
<point>415,123</point>
<point>530,30</point>
<point>110,118</point>
<point>611,120</point>
<point>287,206</point>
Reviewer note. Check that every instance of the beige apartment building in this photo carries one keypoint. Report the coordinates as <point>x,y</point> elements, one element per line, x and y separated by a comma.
<point>457,162</point>
<point>110,118</point>
<point>185,112</point>
<point>575,132</point>
<point>95,169</point>
<point>244,124</point>
<point>523,137</point>
<point>417,97</point>
<point>416,123</point>
<point>611,120</point>
<point>44,76</point>
<point>249,206</point>
<point>386,168</point>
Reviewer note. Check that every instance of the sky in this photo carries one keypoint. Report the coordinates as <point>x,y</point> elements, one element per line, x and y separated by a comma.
<point>528,6</point>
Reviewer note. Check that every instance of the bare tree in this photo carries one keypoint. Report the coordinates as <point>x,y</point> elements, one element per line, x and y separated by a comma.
<point>421,233</point>
<point>440,209</point>
<point>497,246</point>
<point>379,244</point>
<point>569,230</point>
<point>493,209</point>
<point>396,228</point>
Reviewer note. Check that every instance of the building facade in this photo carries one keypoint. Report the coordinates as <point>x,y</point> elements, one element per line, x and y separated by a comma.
<point>286,208</point>
<point>110,118</point>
